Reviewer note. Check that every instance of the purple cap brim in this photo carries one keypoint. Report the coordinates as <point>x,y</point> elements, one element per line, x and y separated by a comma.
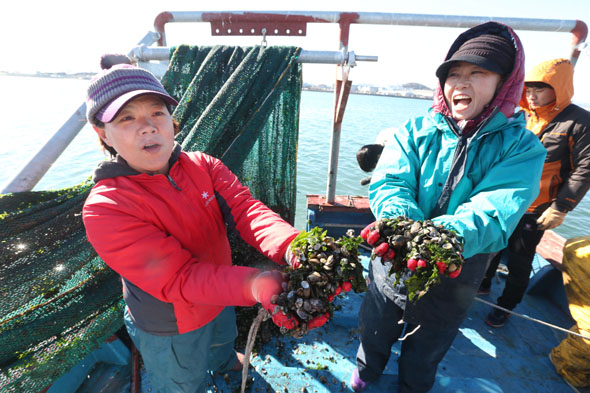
<point>112,109</point>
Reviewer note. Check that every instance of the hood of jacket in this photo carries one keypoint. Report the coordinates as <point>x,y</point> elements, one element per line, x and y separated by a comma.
<point>510,93</point>
<point>557,73</point>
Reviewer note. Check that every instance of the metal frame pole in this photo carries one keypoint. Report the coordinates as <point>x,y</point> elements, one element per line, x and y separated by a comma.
<point>341,91</point>
<point>39,164</point>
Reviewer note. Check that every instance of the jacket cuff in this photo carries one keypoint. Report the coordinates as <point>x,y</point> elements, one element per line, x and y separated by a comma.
<point>560,207</point>
<point>248,278</point>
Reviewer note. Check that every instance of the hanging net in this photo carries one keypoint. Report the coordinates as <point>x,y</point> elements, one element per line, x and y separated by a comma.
<point>59,300</point>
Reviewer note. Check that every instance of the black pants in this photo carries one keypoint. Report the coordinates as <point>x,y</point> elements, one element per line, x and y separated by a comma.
<point>421,352</point>
<point>519,257</point>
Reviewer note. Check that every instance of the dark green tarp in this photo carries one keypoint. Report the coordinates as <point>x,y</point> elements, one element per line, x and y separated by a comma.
<point>59,300</point>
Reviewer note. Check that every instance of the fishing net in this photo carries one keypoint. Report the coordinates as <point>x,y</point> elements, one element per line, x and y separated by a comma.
<point>59,300</point>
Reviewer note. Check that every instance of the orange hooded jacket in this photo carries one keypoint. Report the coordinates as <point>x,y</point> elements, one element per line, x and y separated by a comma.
<point>564,130</point>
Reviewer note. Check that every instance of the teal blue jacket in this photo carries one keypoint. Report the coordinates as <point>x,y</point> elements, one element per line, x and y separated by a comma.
<point>478,186</point>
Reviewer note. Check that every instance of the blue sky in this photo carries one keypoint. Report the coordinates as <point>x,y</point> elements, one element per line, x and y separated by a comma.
<point>70,36</point>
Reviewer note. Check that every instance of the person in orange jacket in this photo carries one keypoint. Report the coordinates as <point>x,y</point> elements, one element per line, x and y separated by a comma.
<point>564,130</point>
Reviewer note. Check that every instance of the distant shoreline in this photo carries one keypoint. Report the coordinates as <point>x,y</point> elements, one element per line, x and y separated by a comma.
<point>89,75</point>
<point>63,75</point>
<point>398,95</point>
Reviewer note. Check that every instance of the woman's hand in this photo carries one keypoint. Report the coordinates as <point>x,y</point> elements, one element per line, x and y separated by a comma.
<point>264,287</point>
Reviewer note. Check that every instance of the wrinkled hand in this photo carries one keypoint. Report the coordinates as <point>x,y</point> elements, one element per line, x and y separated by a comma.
<point>264,287</point>
<point>551,218</point>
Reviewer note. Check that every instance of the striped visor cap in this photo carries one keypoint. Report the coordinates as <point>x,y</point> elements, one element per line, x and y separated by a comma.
<point>110,90</point>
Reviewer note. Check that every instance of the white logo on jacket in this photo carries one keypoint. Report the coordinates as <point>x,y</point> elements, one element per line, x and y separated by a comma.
<point>204,195</point>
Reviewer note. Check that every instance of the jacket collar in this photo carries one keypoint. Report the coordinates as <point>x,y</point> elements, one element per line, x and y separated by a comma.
<point>117,166</point>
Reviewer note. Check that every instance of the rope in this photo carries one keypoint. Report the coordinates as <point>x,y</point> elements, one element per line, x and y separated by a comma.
<point>263,315</point>
<point>531,319</point>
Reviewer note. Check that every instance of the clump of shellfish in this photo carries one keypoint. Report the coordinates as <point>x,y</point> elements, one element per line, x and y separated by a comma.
<point>423,248</point>
<point>324,267</point>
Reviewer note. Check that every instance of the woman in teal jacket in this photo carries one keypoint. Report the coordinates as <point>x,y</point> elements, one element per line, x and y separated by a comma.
<point>470,165</point>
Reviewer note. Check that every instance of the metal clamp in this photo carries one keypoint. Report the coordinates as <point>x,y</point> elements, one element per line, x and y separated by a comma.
<point>263,43</point>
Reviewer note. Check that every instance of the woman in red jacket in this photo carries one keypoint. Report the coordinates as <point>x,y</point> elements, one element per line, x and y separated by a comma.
<point>157,215</point>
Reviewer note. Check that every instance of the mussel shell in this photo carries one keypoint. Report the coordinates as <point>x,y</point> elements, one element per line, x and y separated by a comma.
<point>398,241</point>
<point>302,314</point>
<point>314,277</point>
<point>299,303</point>
<point>415,228</point>
<point>317,304</point>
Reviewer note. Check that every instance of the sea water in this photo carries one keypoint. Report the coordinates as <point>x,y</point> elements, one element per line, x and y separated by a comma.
<point>33,108</point>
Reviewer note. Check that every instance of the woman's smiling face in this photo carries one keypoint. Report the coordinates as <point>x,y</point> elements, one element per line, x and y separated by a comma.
<point>469,88</point>
<point>142,133</point>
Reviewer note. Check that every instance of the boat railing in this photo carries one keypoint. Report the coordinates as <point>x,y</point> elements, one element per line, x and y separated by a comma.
<point>283,23</point>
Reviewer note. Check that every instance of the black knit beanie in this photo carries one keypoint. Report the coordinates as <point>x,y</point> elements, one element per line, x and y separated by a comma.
<point>493,52</point>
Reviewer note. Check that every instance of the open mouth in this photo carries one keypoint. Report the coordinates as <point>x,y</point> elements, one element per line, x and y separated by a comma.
<point>461,101</point>
<point>151,147</point>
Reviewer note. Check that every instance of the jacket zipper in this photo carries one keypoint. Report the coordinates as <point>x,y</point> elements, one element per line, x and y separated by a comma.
<point>173,183</point>
<point>460,152</point>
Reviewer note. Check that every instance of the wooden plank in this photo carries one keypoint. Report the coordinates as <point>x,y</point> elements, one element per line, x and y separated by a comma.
<point>551,248</point>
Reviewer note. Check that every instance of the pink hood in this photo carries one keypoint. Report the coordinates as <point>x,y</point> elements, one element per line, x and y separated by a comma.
<point>510,93</point>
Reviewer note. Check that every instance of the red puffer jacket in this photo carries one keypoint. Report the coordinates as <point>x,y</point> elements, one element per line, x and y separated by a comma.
<point>166,237</point>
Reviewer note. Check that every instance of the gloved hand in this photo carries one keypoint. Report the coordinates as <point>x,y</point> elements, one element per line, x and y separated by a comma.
<point>551,218</point>
<point>318,321</point>
<point>366,230</point>
<point>291,259</point>
<point>264,287</point>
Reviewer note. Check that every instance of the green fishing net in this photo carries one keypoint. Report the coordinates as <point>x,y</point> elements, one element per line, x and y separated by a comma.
<point>59,300</point>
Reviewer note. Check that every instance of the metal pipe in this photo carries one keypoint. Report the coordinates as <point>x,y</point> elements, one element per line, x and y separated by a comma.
<point>377,18</point>
<point>39,164</point>
<point>341,90</point>
<point>580,32</point>
<point>145,53</point>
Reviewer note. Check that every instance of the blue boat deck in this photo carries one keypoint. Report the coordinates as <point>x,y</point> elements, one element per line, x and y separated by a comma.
<point>513,358</point>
